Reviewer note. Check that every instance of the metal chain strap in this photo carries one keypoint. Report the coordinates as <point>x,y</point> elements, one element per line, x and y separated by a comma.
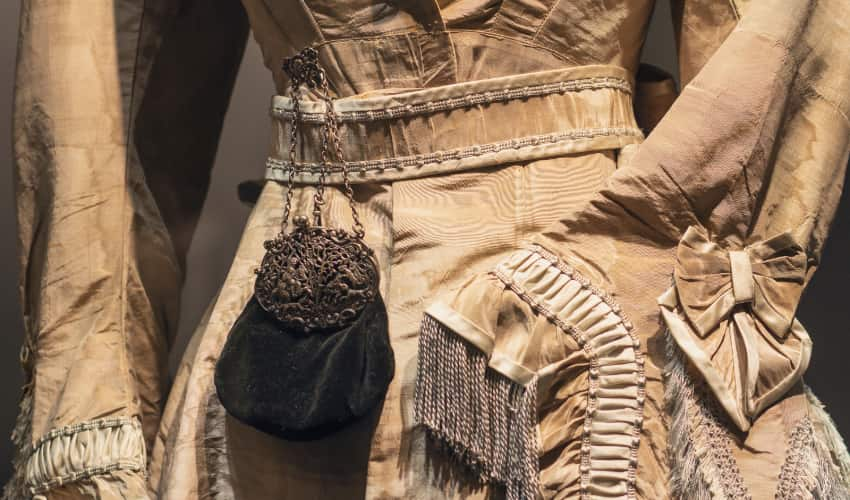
<point>303,69</point>
<point>293,142</point>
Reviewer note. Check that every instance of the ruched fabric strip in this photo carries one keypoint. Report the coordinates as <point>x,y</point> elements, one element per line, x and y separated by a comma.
<point>459,333</point>
<point>76,452</point>
<point>614,418</point>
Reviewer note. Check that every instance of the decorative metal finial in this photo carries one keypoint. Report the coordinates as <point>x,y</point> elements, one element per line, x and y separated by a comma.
<point>303,68</point>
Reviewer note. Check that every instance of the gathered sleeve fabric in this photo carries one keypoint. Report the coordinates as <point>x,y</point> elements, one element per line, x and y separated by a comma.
<point>118,108</point>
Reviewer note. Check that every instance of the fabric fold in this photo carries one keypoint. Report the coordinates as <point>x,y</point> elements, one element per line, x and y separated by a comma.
<point>732,314</point>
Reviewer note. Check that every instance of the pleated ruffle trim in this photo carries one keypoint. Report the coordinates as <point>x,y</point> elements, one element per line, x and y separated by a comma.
<point>73,453</point>
<point>482,407</point>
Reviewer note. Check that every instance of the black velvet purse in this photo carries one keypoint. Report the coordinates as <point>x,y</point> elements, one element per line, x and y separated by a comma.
<point>303,386</point>
<point>310,353</point>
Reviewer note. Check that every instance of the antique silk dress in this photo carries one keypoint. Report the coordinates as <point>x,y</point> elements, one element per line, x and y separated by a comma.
<point>591,292</point>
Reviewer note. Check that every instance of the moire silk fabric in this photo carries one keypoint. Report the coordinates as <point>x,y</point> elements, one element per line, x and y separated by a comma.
<point>738,325</point>
<point>118,107</point>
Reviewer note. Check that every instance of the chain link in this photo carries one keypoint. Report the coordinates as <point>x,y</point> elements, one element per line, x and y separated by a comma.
<point>333,127</point>
<point>293,143</point>
<point>303,68</point>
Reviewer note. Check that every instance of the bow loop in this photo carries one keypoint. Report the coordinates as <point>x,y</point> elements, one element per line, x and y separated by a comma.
<point>766,278</point>
<point>731,311</point>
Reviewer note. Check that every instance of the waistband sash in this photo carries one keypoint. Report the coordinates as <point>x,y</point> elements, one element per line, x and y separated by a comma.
<point>461,126</point>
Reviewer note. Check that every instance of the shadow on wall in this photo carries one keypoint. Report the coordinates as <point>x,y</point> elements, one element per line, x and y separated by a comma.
<point>241,153</point>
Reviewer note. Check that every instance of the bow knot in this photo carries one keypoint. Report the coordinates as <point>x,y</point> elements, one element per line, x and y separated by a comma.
<point>732,314</point>
<point>742,276</point>
<point>766,277</point>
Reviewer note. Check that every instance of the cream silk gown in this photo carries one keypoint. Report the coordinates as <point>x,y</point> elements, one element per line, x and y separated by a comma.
<point>591,288</point>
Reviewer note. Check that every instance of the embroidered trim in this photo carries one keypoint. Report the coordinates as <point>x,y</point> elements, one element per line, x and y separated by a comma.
<point>597,363</point>
<point>793,468</point>
<point>400,162</point>
<point>80,451</point>
<point>702,466</point>
<point>720,452</point>
<point>464,101</point>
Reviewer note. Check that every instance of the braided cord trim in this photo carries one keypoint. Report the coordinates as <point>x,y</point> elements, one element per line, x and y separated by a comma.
<point>464,101</point>
<point>400,162</point>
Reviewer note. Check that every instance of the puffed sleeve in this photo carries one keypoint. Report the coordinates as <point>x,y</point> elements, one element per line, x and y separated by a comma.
<point>118,108</point>
<point>722,213</point>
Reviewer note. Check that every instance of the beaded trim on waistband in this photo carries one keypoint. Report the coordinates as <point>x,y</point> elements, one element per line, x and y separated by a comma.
<point>400,162</point>
<point>464,101</point>
<point>409,133</point>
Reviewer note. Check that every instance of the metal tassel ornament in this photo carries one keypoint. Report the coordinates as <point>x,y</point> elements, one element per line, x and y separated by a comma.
<point>310,352</point>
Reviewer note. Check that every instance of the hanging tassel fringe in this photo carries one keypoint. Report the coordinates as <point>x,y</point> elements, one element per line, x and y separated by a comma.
<point>817,464</point>
<point>16,488</point>
<point>687,478</point>
<point>486,422</point>
<point>833,440</point>
<point>808,470</point>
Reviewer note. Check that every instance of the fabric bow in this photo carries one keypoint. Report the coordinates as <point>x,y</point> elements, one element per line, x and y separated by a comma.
<point>732,314</point>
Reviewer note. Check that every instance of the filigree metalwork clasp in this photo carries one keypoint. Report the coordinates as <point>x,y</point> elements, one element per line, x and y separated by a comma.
<point>303,68</point>
<point>315,278</point>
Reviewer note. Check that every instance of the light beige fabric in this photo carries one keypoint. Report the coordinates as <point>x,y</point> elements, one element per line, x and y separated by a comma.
<point>117,111</point>
<point>737,324</point>
<point>594,322</point>
<point>409,223</point>
<point>81,451</point>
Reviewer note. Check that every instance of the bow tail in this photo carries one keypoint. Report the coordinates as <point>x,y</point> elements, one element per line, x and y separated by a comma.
<point>745,338</point>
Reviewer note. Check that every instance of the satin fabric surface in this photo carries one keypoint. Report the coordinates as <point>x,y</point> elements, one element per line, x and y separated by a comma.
<point>637,286</point>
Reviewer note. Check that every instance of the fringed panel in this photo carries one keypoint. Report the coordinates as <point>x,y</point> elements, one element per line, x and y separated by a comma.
<point>702,466</point>
<point>813,467</point>
<point>486,421</point>
<point>16,489</point>
<point>826,431</point>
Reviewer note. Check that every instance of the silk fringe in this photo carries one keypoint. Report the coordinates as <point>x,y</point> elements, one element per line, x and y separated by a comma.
<point>688,477</point>
<point>486,422</point>
<point>16,488</point>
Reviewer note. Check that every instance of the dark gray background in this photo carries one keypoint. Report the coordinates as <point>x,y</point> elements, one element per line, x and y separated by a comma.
<point>825,309</point>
